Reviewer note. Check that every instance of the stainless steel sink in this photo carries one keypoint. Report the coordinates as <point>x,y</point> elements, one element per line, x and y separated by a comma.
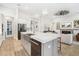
<point>30,34</point>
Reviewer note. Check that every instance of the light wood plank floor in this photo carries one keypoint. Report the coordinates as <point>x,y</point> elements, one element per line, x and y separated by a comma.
<point>70,50</point>
<point>12,47</point>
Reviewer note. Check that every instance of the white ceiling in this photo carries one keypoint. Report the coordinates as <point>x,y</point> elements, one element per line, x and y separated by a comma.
<point>43,9</point>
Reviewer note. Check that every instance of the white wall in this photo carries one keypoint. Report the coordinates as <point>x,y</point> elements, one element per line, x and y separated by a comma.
<point>1,37</point>
<point>12,13</point>
<point>7,11</point>
<point>0,25</point>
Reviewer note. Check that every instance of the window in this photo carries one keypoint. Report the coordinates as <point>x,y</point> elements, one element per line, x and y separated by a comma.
<point>9,27</point>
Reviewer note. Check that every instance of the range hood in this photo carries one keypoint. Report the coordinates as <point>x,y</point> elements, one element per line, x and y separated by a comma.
<point>62,12</point>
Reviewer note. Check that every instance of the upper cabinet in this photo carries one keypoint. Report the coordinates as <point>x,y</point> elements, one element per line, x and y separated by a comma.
<point>34,25</point>
<point>50,26</point>
<point>76,24</point>
<point>66,25</point>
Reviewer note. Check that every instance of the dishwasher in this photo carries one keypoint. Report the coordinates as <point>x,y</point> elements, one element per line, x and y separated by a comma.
<point>66,36</point>
<point>35,48</point>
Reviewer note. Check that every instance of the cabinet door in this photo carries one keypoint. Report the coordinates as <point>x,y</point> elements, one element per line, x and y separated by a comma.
<point>27,44</point>
<point>50,48</point>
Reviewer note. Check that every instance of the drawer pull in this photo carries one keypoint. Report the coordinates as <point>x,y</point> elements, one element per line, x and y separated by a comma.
<point>34,42</point>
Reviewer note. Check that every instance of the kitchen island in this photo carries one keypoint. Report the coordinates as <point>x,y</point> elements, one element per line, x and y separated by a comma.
<point>40,44</point>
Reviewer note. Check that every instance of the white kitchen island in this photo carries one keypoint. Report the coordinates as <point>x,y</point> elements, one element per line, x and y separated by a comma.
<point>40,44</point>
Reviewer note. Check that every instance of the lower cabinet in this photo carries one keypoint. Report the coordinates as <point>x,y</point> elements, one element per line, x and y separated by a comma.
<point>36,48</point>
<point>43,49</point>
<point>26,43</point>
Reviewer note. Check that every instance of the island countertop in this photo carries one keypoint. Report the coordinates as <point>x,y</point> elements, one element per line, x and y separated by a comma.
<point>43,37</point>
<point>41,44</point>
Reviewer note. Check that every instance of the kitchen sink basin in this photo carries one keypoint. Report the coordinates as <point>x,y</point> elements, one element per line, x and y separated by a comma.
<point>30,34</point>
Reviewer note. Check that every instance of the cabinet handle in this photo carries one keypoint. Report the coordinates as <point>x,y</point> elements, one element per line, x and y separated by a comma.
<point>34,42</point>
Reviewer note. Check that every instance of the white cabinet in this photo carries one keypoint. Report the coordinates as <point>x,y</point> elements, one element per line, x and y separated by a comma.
<point>49,48</point>
<point>37,48</point>
<point>26,43</point>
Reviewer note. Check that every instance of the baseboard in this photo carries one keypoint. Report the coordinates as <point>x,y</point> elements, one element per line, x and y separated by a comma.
<point>66,43</point>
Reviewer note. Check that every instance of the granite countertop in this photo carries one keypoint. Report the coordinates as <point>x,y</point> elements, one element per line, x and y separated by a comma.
<point>43,37</point>
<point>27,32</point>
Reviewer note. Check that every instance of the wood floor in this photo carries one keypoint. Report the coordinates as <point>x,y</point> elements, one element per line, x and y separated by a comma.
<point>12,47</point>
<point>70,50</point>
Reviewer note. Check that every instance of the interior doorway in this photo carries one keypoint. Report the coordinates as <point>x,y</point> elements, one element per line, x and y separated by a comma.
<point>21,28</point>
